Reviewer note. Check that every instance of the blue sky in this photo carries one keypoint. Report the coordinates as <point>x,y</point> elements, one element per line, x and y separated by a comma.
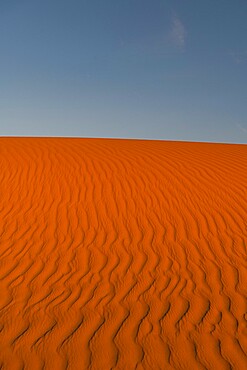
<point>154,69</point>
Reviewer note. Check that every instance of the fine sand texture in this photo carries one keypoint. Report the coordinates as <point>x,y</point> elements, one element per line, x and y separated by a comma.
<point>122,254</point>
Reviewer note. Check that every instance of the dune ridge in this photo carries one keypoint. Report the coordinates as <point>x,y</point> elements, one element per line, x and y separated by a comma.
<point>122,254</point>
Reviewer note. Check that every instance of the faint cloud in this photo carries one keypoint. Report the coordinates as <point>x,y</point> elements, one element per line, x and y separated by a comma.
<point>243,129</point>
<point>239,56</point>
<point>178,33</point>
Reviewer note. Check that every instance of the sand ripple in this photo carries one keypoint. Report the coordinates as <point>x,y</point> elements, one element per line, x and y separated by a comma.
<point>122,254</point>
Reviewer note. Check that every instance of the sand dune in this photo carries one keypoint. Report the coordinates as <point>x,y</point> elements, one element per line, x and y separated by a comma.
<point>122,254</point>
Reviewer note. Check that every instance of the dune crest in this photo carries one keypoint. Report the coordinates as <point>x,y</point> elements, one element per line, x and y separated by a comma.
<point>122,254</point>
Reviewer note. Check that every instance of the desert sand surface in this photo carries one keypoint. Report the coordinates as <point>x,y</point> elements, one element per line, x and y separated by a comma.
<point>122,254</point>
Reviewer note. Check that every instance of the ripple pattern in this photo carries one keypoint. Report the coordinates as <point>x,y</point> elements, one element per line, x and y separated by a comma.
<point>122,254</point>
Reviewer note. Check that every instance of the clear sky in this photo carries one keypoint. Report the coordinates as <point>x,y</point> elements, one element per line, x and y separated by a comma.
<point>155,69</point>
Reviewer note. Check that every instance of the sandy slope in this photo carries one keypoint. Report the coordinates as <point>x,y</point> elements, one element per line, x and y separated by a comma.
<point>118,254</point>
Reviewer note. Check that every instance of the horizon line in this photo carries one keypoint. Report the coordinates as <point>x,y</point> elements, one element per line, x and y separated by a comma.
<point>115,138</point>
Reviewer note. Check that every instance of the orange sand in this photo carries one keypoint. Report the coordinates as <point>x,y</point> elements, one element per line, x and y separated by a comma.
<point>122,254</point>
